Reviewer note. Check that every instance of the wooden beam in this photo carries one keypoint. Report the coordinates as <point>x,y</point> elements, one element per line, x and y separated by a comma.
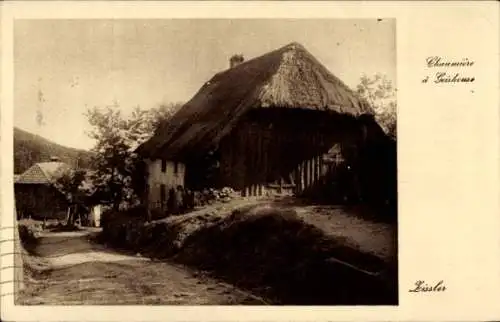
<point>291,176</point>
<point>309,172</point>
<point>314,174</point>
<point>305,175</point>
<point>302,176</point>
<point>318,174</point>
<point>296,177</point>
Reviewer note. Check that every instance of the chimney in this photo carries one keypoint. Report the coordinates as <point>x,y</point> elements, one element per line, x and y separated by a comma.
<point>236,60</point>
<point>54,159</point>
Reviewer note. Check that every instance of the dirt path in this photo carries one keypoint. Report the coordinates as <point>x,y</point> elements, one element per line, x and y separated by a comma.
<point>378,239</point>
<point>82,272</point>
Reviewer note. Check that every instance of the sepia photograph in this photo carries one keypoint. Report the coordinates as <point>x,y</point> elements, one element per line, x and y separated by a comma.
<point>206,161</point>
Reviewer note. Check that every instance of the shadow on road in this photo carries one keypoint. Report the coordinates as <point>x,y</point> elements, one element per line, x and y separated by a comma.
<point>276,255</point>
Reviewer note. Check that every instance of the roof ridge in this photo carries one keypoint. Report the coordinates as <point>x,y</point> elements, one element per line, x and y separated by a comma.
<point>47,176</point>
<point>294,45</point>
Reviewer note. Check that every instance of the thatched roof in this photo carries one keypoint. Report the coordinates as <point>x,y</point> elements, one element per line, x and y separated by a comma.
<point>289,77</point>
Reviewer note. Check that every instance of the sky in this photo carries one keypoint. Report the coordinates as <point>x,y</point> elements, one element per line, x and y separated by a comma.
<point>78,64</point>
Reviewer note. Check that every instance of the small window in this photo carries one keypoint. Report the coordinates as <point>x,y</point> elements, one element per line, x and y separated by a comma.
<point>163,194</point>
<point>163,165</point>
<point>176,167</point>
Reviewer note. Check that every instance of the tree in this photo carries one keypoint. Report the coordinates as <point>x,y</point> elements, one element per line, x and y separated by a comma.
<point>160,115</point>
<point>381,95</point>
<point>115,162</point>
<point>70,184</point>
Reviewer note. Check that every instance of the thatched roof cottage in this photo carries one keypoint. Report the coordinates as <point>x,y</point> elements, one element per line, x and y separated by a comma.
<point>269,120</point>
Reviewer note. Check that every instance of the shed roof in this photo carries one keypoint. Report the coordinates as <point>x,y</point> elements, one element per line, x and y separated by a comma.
<point>43,173</point>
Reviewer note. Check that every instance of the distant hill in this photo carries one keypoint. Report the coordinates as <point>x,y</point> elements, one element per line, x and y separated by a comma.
<point>31,148</point>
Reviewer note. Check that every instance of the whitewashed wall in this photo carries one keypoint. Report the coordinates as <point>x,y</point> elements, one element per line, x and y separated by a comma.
<point>157,177</point>
<point>96,215</point>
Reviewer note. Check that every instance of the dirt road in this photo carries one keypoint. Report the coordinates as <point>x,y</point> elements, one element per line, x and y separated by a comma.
<point>79,271</point>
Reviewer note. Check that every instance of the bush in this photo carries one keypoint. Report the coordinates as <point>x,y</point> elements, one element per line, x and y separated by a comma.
<point>209,196</point>
<point>51,224</point>
<point>28,233</point>
<point>63,228</point>
<point>118,226</point>
<point>158,214</point>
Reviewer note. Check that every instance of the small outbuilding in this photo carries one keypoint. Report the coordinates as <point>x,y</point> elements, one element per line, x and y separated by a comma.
<point>36,193</point>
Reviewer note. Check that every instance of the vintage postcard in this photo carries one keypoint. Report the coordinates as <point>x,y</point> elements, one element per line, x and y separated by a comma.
<point>259,160</point>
